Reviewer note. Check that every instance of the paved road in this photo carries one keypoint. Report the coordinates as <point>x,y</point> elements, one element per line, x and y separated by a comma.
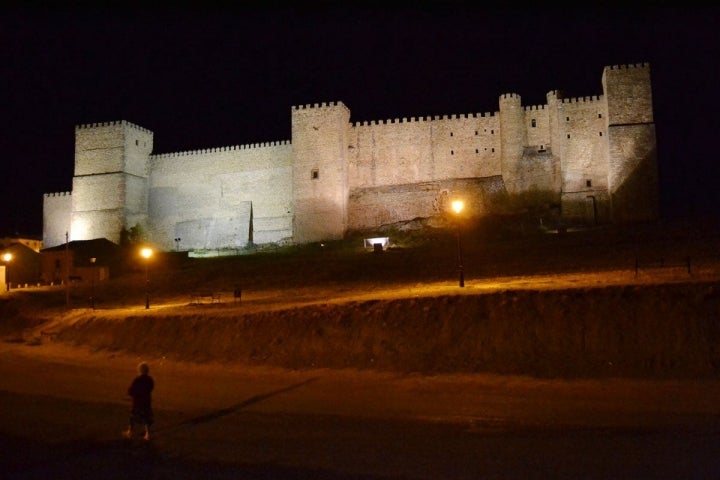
<point>62,410</point>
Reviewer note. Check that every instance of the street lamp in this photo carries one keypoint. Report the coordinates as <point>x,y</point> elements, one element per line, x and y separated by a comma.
<point>7,257</point>
<point>92,282</point>
<point>457,206</point>
<point>146,253</point>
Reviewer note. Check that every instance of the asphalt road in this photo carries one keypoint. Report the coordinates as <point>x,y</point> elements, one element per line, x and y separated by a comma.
<point>62,411</point>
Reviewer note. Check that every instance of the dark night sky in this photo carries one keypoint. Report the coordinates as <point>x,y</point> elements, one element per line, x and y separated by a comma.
<point>209,77</point>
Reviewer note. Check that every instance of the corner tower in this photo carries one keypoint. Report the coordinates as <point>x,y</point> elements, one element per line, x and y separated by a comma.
<point>320,178</point>
<point>110,184</point>
<point>632,151</point>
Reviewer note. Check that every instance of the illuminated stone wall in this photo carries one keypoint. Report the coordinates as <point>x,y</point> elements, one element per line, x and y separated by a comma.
<point>57,211</point>
<point>594,156</point>
<point>222,197</point>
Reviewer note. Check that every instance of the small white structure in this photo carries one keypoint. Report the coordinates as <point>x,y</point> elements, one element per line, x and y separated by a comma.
<point>382,241</point>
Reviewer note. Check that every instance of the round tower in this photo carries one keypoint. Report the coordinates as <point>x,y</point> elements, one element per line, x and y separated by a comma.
<point>513,138</point>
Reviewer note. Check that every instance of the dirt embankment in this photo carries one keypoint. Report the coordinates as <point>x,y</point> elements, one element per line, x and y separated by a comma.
<point>660,331</point>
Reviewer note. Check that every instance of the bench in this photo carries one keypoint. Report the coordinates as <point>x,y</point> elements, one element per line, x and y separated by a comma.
<point>198,298</point>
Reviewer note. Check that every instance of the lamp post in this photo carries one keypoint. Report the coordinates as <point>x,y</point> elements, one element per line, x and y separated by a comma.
<point>92,282</point>
<point>146,253</point>
<point>457,206</point>
<point>7,257</point>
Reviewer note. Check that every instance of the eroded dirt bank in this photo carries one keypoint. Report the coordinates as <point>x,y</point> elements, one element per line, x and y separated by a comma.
<point>660,331</point>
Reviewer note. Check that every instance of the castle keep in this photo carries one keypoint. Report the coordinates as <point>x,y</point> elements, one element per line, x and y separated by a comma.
<point>594,156</point>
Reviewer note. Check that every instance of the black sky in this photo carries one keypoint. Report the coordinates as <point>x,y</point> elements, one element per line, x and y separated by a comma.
<point>202,77</point>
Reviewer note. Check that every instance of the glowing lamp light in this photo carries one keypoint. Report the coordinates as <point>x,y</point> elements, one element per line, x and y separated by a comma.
<point>146,253</point>
<point>457,205</point>
<point>6,258</point>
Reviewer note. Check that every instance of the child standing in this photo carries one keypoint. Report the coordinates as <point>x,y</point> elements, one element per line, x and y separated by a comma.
<point>141,392</point>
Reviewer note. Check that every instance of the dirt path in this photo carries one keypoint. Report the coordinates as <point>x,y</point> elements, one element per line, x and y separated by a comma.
<point>58,403</point>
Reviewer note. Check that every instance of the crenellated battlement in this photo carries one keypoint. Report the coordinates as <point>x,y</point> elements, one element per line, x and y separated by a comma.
<point>204,151</point>
<point>628,66</point>
<point>592,98</point>
<point>319,107</point>
<point>336,174</point>
<point>508,96</point>
<point>116,123</point>
<point>404,120</point>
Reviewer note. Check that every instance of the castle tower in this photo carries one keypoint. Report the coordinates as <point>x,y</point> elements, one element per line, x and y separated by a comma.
<point>320,178</point>
<point>557,145</point>
<point>513,139</point>
<point>632,169</point>
<point>111,180</point>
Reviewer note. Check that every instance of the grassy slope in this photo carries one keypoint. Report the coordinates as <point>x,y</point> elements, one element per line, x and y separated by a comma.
<point>630,327</point>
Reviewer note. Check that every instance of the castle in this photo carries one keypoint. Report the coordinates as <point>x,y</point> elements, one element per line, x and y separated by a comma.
<point>593,156</point>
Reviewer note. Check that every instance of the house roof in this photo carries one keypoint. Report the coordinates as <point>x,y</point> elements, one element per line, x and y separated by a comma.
<point>85,246</point>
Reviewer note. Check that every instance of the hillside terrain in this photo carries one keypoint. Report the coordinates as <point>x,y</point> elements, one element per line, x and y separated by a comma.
<point>610,301</point>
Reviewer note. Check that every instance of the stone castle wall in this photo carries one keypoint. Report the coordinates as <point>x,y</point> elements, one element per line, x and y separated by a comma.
<point>57,213</point>
<point>594,156</point>
<point>222,197</point>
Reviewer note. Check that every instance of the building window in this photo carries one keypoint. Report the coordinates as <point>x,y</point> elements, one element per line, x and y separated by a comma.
<point>599,115</point>
<point>452,152</point>
<point>476,132</point>
<point>588,183</point>
<point>568,135</point>
<point>477,150</point>
<point>451,134</point>
<point>533,123</point>
<point>567,119</point>
<point>136,143</point>
<point>601,134</point>
<point>492,132</point>
<point>315,174</point>
<point>493,150</point>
